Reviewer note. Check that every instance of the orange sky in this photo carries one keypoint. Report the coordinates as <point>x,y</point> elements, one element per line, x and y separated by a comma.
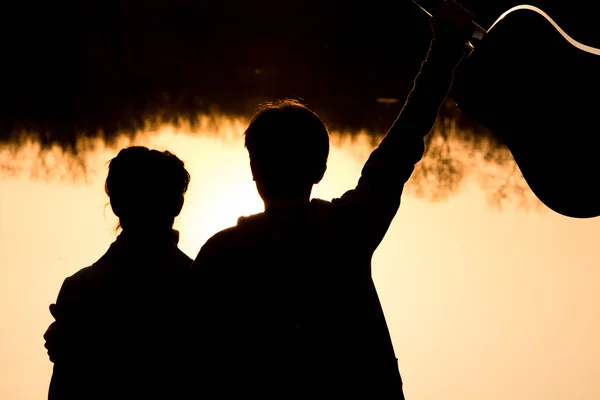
<point>481,303</point>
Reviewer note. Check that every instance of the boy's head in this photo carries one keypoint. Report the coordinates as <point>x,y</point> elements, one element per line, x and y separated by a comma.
<point>288,146</point>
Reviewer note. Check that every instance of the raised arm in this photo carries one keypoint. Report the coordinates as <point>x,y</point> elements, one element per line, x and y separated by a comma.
<point>376,198</point>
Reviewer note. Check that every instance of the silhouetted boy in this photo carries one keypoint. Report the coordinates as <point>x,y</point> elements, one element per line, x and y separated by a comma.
<point>288,305</point>
<point>118,332</point>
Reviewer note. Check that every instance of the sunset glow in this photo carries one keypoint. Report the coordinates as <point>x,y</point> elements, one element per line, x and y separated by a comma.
<point>482,303</point>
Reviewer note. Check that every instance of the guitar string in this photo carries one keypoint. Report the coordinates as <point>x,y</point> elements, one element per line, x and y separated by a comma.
<point>580,46</point>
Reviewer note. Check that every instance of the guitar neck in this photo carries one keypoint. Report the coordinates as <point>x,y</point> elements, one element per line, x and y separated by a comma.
<point>478,32</point>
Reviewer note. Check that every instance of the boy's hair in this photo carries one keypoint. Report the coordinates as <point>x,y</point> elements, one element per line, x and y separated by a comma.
<point>288,146</point>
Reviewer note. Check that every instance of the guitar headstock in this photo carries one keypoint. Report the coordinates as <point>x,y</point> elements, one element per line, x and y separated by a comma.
<point>478,32</point>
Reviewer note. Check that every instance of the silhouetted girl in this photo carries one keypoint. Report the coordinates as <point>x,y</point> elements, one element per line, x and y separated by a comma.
<point>118,331</point>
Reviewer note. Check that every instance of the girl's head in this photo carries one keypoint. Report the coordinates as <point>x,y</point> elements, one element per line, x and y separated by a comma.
<point>146,188</point>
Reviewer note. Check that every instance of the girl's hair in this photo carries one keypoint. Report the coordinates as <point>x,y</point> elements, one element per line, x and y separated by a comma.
<point>146,187</point>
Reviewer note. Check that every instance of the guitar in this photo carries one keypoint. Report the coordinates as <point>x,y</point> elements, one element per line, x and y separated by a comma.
<point>538,90</point>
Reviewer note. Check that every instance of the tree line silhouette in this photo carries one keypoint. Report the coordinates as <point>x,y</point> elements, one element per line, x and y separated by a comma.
<point>97,69</point>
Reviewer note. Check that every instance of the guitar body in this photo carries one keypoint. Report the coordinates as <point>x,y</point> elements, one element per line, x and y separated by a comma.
<point>541,95</point>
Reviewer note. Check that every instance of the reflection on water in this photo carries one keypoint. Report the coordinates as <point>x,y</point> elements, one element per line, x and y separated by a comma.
<point>481,303</point>
<point>454,153</point>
